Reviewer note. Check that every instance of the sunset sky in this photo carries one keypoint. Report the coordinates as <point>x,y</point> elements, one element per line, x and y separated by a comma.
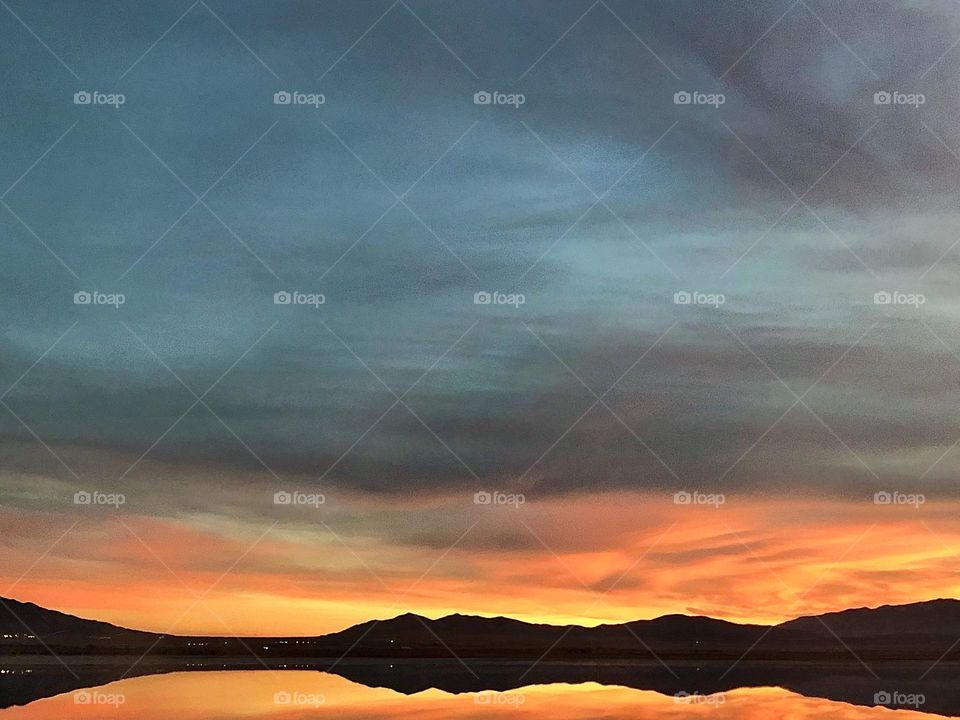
<point>399,198</point>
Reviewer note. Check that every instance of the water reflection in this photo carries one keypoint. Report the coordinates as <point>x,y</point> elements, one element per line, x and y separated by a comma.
<point>444,689</point>
<point>293,694</point>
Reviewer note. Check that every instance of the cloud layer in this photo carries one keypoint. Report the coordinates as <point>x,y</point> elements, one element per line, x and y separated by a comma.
<point>398,199</point>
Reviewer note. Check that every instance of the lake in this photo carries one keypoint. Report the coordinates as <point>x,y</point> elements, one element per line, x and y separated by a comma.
<point>215,695</point>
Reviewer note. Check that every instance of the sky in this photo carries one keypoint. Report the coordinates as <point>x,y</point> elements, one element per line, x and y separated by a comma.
<point>815,165</point>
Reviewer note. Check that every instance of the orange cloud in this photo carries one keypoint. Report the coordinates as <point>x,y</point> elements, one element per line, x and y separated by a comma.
<point>605,558</point>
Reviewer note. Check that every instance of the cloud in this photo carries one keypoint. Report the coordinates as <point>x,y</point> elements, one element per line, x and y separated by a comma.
<point>503,202</point>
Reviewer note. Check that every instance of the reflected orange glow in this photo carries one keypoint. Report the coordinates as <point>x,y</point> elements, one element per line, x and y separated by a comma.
<point>292,695</point>
<point>586,560</point>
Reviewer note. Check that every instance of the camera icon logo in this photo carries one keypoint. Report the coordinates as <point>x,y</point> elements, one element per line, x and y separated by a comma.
<point>882,298</point>
<point>882,97</point>
<point>682,498</point>
<point>682,98</point>
<point>82,298</point>
<point>882,698</point>
<point>282,98</point>
<point>282,497</point>
<point>82,98</point>
<point>482,98</point>
<point>882,498</point>
<point>682,298</point>
<point>82,497</point>
<point>482,498</point>
<point>282,298</point>
<point>81,698</point>
<point>282,698</point>
<point>482,298</point>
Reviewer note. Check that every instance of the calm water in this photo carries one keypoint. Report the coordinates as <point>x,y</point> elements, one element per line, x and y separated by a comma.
<point>310,694</point>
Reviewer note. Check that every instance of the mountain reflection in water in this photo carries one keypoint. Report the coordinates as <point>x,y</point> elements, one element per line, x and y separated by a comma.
<point>403,690</point>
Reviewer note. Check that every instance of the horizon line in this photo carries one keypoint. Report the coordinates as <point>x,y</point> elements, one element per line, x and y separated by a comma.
<point>4,600</point>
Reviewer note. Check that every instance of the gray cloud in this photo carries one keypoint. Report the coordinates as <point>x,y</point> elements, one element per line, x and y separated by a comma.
<point>496,212</point>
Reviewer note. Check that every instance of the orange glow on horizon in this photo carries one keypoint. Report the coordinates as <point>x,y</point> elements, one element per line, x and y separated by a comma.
<point>633,557</point>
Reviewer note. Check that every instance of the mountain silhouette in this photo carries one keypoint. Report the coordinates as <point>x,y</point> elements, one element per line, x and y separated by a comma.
<point>932,618</point>
<point>913,631</point>
<point>23,619</point>
<point>912,648</point>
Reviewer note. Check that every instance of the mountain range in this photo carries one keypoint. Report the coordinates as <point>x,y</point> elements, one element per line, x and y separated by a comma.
<point>913,631</point>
